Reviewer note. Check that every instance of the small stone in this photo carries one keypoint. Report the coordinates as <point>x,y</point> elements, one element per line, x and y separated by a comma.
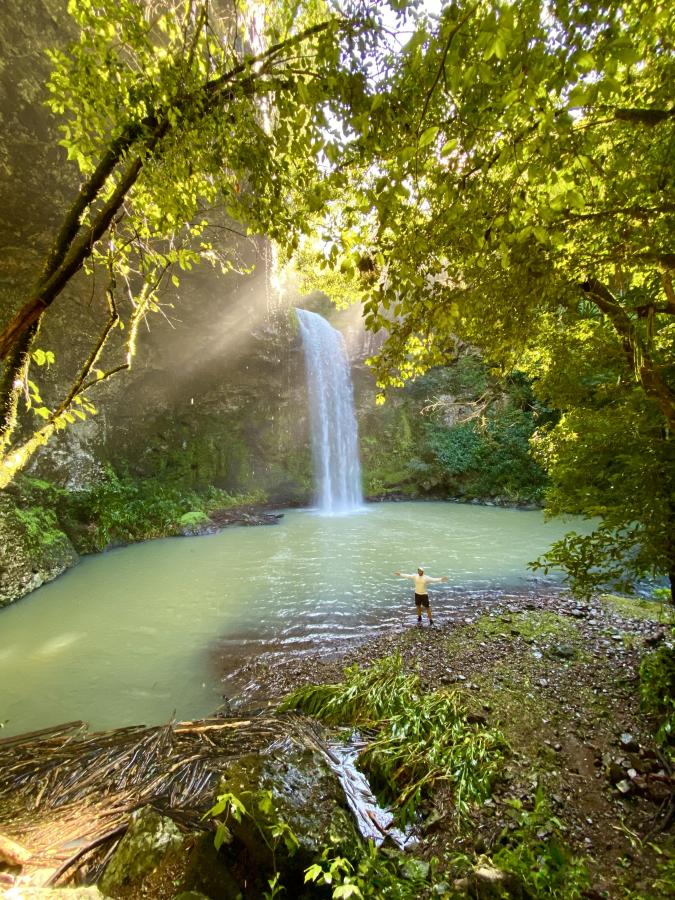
<point>476,718</point>
<point>563,651</point>
<point>615,772</point>
<point>628,743</point>
<point>624,786</point>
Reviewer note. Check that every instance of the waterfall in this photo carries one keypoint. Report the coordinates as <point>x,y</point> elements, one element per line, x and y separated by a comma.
<point>333,422</point>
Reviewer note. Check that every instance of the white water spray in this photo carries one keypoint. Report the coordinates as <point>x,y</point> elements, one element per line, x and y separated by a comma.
<point>333,421</point>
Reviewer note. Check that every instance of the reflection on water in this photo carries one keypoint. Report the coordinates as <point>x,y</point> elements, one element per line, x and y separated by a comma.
<point>129,636</point>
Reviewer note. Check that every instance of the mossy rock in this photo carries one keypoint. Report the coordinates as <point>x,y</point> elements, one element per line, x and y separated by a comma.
<point>299,790</point>
<point>33,549</point>
<point>149,838</point>
<point>207,873</point>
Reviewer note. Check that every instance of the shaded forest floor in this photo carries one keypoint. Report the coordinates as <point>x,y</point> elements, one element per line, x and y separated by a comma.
<point>561,680</point>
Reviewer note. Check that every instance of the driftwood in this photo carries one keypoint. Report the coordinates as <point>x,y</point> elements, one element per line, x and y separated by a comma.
<point>66,796</point>
<point>12,853</point>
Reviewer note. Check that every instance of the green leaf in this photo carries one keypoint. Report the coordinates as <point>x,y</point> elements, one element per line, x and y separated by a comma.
<point>585,61</point>
<point>449,146</point>
<point>313,873</point>
<point>428,136</point>
<point>497,48</point>
<point>346,890</point>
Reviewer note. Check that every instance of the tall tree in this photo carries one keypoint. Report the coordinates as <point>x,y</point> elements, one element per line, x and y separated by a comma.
<point>513,186</point>
<point>170,108</point>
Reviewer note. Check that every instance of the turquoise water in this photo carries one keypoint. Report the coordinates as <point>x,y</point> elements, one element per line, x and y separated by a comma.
<point>139,634</point>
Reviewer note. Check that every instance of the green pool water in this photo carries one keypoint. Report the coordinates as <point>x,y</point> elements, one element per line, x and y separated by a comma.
<point>142,633</point>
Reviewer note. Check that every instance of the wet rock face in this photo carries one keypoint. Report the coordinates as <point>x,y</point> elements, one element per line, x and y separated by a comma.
<point>149,838</point>
<point>32,551</point>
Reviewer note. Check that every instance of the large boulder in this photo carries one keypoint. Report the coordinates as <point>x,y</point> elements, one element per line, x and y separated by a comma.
<point>148,840</point>
<point>295,808</point>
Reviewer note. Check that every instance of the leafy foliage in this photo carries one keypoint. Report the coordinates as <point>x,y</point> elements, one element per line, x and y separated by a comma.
<point>456,431</point>
<point>273,830</point>
<point>422,739</point>
<point>512,191</point>
<point>657,691</point>
<point>120,510</point>
<point>370,875</point>
<point>535,853</point>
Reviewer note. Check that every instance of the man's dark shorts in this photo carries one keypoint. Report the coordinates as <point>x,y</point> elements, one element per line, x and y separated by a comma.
<point>422,600</point>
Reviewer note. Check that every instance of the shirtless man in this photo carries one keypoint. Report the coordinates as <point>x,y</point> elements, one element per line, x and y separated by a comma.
<point>421,596</point>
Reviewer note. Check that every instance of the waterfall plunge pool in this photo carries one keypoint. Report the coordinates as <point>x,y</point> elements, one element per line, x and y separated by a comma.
<point>138,634</point>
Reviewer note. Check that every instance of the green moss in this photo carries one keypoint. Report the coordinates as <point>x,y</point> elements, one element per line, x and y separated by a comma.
<point>40,527</point>
<point>194,517</point>
<point>537,625</point>
<point>412,446</point>
<point>638,608</point>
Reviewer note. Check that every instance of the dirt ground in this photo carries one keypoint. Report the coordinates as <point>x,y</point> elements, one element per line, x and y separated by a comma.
<point>560,679</point>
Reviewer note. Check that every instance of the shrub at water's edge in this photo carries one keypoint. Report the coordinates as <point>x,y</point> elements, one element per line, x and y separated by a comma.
<point>43,528</point>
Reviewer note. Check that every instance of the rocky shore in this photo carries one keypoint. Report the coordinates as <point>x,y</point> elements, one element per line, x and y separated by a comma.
<point>561,679</point>
<point>584,792</point>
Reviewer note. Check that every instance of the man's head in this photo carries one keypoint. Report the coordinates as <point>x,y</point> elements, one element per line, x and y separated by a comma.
<point>420,570</point>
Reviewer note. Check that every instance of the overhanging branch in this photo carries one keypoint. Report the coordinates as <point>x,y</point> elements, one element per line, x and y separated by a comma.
<point>634,349</point>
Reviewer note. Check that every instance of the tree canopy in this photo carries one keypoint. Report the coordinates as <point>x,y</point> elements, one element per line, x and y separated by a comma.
<point>499,173</point>
<point>514,188</point>
<point>170,109</point>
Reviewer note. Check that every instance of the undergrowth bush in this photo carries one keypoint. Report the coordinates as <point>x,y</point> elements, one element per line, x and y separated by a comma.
<point>657,692</point>
<point>120,509</point>
<point>535,854</point>
<point>422,739</point>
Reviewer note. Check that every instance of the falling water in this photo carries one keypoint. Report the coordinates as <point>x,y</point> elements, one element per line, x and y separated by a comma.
<point>333,422</point>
